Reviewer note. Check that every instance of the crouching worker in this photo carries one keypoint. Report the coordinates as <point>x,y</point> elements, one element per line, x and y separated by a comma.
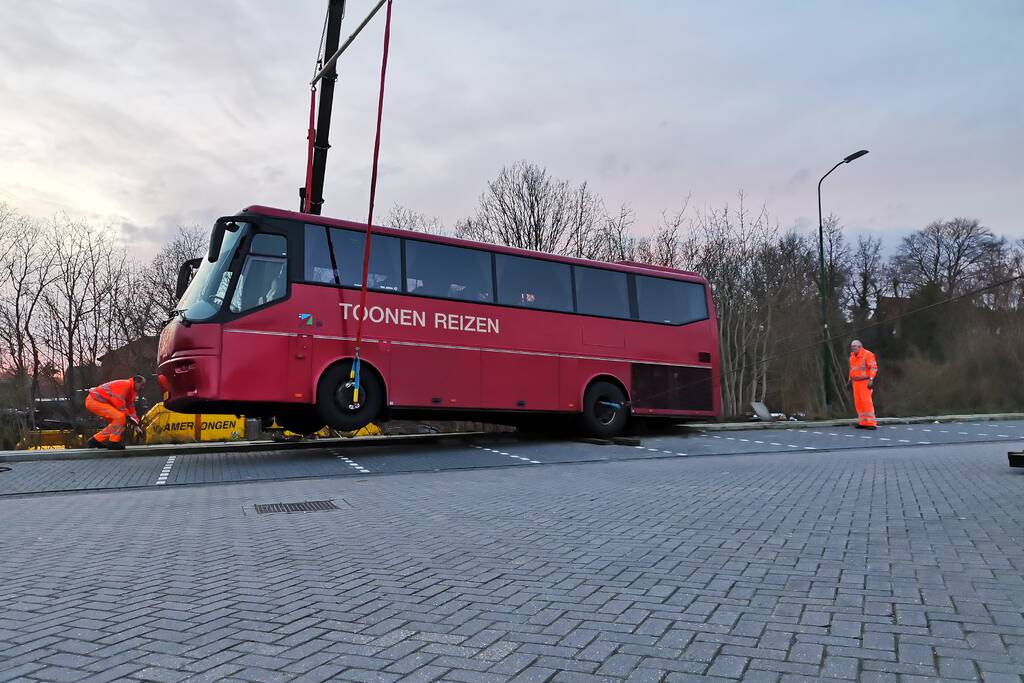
<point>115,403</point>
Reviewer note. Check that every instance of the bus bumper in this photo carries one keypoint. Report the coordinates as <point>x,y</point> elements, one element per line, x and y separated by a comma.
<point>187,380</point>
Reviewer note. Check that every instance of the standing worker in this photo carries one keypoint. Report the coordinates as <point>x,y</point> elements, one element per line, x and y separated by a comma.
<point>863,370</point>
<point>115,403</point>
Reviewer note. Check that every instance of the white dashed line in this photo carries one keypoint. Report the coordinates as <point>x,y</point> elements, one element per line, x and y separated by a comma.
<point>982,434</point>
<point>761,442</point>
<point>904,441</point>
<point>1003,436</point>
<point>162,479</point>
<point>353,464</point>
<point>882,438</point>
<point>516,457</point>
<point>963,433</point>
<point>924,443</point>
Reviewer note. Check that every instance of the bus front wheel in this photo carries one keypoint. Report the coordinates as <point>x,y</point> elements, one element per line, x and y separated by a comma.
<point>335,398</point>
<point>605,410</point>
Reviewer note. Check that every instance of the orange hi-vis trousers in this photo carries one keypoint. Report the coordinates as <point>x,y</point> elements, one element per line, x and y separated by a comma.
<point>116,420</point>
<point>862,401</point>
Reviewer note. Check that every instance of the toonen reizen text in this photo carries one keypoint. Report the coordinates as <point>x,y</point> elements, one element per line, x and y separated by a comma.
<point>408,317</point>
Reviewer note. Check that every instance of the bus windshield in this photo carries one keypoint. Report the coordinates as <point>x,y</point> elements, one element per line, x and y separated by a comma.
<point>206,292</point>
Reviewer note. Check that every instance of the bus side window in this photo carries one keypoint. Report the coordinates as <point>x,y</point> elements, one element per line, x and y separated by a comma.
<point>264,276</point>
<point>534,283</point>
<point>601,292</point>
<point>385,273</point>
<point>450,272</point>
<point>318,266</point>
<point>660,300</point>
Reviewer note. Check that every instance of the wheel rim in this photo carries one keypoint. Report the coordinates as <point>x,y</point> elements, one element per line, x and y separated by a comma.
<point>343,396</point>
<point>606,409</point>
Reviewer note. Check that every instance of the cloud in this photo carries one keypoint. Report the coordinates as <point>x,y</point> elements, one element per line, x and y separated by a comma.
<point>144,115</point>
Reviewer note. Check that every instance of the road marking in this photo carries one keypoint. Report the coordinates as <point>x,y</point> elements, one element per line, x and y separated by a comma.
<point>850,436</point>
<point>904,441</point>
<point>162,479</point>
<point>832,434</point>
<point>747,440</point>
<point>715,436</point>
<point>353,464</point>
<point>865,437</point>
<point>519,457</point>
<point>982,434</point>
<point>810,448</point>
<point>775,444</point>
<point>882,438</point>
<point>759,442</point>
<point>924,443</point>
<point>1003,436</point>
<point>926,430</point>
<point>818,433</point>
<point>964,433</point>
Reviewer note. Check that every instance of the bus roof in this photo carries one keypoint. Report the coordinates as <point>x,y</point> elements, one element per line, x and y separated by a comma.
<point>625,266</point>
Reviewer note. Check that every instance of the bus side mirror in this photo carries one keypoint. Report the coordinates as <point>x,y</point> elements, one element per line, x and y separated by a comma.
<point>226,223</point>
<point>185,274</point>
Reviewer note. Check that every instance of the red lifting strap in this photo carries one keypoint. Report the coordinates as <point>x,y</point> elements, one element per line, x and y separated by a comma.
<point>373,194</point>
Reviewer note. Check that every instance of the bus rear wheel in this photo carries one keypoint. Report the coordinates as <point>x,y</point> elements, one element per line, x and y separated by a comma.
<point>605,411</point>
<point>334,398</point>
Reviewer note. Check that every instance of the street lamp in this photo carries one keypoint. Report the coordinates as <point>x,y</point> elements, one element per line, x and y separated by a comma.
<point>825,353</point>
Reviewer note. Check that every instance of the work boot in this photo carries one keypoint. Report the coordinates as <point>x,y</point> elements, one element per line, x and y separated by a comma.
<point>93,442</point>
<point>115,446</point>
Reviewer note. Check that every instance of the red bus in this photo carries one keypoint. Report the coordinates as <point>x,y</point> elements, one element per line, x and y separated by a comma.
<point>452,330</point>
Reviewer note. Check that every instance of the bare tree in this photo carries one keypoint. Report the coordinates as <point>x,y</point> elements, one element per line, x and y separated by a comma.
<point>525,207</point>
<point>866,281</point>
<point>189,243</point>
<point>949,254</point>
<point>404,218</point>
<point>26,271</point>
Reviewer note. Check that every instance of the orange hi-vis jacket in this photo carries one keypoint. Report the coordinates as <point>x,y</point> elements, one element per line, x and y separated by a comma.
<point>120,394</point>
<point>863,365</point>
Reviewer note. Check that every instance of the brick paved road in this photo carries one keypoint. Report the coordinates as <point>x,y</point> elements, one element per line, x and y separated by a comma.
<point>152,470</point>
<point>883,564</point>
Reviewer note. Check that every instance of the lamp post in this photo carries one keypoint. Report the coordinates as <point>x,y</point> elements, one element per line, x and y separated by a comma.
<point>825,353</point>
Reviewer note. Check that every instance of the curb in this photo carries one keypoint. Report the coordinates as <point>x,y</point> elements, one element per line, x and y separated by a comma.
<point>849,422</point>
<point>236,447</point>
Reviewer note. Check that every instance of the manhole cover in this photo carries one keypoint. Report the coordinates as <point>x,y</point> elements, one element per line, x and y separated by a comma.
<point>304,506</point>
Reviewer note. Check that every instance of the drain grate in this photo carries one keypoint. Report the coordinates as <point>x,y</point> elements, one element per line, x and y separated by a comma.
<point>304,506</point>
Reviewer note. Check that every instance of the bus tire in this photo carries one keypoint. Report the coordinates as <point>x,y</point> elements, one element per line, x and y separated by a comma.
<point>601,418</point>
<point>334,398</point>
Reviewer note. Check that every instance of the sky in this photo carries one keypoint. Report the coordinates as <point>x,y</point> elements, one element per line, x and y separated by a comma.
<point>142,116</point>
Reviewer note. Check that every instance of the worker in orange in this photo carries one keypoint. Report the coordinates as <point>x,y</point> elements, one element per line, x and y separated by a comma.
<point>863,370</point>
<point>115,403</point>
